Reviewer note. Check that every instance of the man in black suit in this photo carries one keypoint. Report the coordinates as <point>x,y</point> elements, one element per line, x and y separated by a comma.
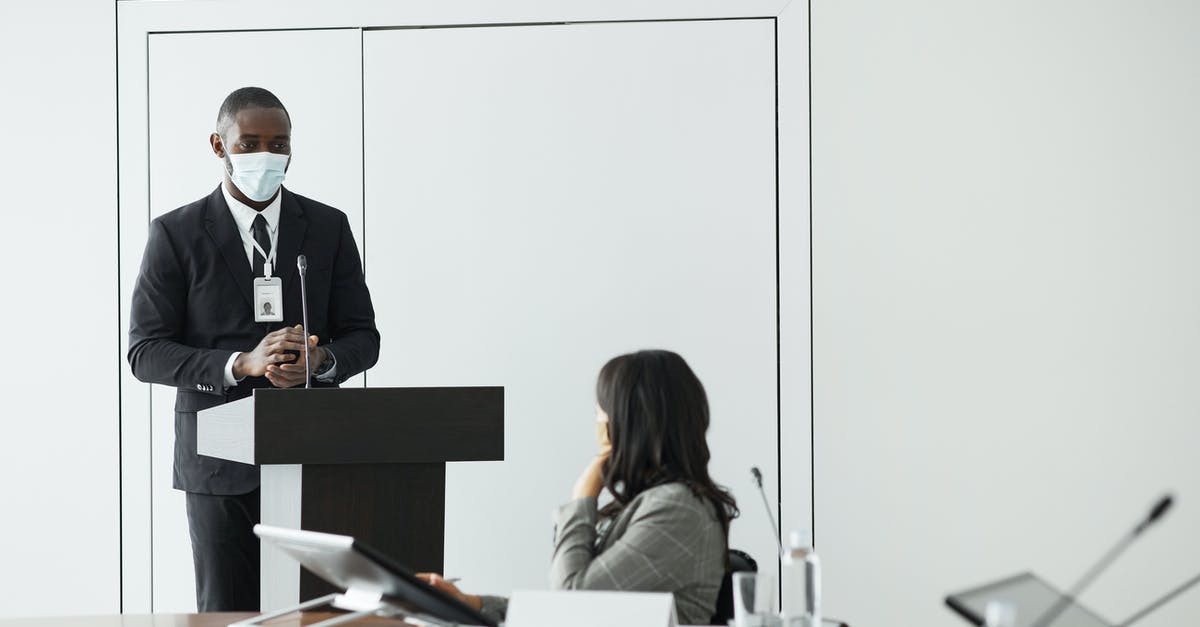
<point>193,323</point>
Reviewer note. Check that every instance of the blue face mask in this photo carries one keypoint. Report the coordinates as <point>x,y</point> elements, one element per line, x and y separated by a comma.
<point>257,174</point>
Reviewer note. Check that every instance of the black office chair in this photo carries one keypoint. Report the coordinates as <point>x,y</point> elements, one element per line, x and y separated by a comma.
<point>739,561</point>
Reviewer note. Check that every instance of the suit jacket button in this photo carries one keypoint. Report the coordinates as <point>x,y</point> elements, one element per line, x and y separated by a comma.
<point>200,387</point>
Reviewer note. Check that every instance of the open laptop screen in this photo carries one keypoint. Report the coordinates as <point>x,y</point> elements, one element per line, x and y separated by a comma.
<point>1029,596</point>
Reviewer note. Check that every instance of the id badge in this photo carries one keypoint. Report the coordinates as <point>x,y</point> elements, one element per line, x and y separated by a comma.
<point>268,299</point>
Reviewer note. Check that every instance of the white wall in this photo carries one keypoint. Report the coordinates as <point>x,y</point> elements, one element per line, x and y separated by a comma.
<point>540,199</point>
<point>1006,310</point>
<point>58,431</point>
<point>1004,301</point>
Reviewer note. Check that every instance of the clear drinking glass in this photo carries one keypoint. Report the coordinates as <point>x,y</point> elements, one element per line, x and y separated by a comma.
<point>755,600</point>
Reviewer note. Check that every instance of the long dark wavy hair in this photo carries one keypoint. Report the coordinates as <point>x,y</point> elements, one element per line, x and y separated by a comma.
<point>657,422</point>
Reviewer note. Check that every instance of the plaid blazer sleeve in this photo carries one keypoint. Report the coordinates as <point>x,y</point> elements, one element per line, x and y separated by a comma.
<point>659,549</point>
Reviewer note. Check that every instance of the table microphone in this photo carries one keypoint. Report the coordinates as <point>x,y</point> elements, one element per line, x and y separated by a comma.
<point>1160,508</point>
<point>758,481</point>
<point>770,517</point>
<point>302,266</point>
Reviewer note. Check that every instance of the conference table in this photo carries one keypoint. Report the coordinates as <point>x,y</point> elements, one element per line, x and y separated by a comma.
<point>216,619</point>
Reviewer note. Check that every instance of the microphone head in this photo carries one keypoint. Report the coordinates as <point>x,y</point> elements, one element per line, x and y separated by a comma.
<point>302,263</point>
<point>1160,508</point>
<point>757,475</point>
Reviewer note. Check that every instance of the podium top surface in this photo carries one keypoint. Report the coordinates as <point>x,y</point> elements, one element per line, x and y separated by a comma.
<point>356,426</point>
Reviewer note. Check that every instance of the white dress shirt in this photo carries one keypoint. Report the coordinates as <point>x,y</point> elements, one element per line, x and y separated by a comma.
<point>244,216</point>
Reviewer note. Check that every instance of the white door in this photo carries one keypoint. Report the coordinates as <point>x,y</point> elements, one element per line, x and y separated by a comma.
<point>542,198</point>
<point>317,76</point>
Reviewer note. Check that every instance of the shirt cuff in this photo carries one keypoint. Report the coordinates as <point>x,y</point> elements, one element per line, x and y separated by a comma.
<point>331,373</point>
<point>229,380</point>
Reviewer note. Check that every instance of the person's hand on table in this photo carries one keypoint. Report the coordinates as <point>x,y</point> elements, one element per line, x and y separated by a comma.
<point>470,600</point>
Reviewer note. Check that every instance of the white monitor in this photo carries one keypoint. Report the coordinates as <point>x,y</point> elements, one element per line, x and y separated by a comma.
<point>362,570</point>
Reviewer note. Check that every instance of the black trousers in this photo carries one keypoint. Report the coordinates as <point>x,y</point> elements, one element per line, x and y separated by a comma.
<point>225,551</point>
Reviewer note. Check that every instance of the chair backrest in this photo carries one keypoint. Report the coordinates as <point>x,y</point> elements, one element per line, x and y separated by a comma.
<point>739,561</point>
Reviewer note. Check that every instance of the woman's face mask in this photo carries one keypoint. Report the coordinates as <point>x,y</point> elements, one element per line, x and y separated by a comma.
<point>602,430</point>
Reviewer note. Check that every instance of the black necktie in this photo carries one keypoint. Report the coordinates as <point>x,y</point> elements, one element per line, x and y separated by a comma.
<point>259,229</point>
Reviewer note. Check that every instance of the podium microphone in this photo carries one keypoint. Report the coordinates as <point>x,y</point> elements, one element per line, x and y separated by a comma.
<point>1160,508</point>
<point>302,266</point>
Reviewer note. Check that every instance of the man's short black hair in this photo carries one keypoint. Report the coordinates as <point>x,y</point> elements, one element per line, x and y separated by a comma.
<point>246,98</point>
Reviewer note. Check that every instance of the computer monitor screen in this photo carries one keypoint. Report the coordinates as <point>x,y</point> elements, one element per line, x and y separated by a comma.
<point>351,564</point>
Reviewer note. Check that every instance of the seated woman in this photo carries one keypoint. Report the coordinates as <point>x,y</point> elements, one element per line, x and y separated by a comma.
<point>667,527</point>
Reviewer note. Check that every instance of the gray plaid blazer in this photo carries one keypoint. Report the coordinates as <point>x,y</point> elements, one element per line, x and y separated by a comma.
<point>666,540</point>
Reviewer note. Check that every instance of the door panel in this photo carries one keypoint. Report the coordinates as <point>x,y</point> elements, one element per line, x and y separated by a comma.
<point>542,198</point>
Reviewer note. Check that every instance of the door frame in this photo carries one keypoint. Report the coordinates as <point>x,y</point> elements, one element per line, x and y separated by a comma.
<point>138,19</point>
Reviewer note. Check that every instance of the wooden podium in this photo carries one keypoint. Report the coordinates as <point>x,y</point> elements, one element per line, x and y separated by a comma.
<point>366,462</point>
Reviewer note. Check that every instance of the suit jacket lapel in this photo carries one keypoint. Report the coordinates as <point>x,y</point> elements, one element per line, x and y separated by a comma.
<point>292,228</point>
<point>224,233</point>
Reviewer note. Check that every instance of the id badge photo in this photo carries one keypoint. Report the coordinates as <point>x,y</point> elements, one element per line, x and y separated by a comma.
<point>268,299</point>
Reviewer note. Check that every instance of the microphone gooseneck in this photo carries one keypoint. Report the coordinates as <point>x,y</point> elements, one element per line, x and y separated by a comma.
<point>302,266</point>
<point>758,481</point>
<point>1161,601</point>
<point>1156,513</point>
<point>1159,510</point>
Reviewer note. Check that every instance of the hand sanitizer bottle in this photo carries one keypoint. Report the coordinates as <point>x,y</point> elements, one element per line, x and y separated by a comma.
<point>801,577</point>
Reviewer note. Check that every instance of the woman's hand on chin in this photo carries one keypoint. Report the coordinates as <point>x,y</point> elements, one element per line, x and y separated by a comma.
<point>591,481</point>
<point>470,600</point>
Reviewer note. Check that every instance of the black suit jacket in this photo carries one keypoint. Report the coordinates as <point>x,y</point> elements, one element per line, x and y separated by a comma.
<point>192,309</point>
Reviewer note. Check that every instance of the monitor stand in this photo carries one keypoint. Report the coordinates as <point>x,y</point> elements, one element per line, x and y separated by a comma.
<point>357,603</point>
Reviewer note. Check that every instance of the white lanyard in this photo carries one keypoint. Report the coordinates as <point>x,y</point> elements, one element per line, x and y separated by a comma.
<point>270,264</point>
